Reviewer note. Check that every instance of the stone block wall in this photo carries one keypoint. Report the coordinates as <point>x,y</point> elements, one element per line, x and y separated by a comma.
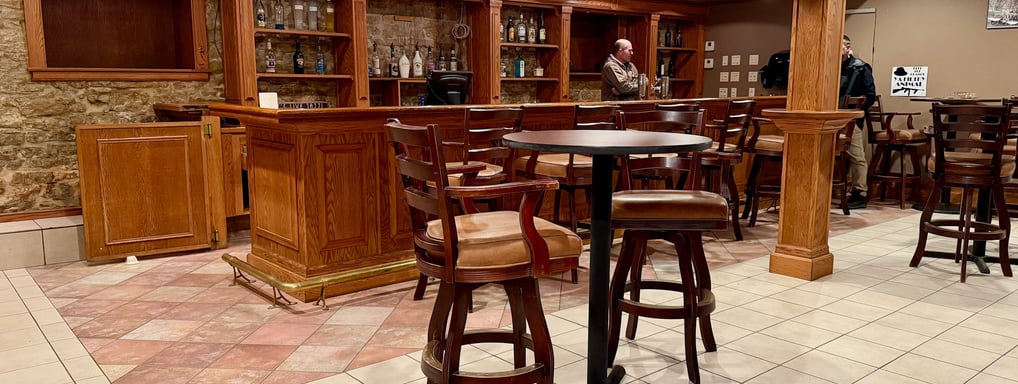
<point>38,158</point>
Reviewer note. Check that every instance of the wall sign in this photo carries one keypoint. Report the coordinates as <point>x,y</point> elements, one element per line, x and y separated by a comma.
<point>1002,14</point>
<point>908,81</point>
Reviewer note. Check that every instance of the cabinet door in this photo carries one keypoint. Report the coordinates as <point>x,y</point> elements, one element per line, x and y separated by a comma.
<point>151,188</point>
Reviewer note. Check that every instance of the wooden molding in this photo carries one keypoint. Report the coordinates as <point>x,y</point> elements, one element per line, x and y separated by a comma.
<point>42,214</point>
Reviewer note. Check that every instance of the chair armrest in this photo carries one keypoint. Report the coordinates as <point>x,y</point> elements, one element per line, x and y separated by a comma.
<point>483,191</point>
<point>464,168</point>
<point>454,143</point>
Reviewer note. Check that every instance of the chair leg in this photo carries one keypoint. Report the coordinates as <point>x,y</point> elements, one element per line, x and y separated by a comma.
<point>519,319</point>
<point>733,192</point>
<point>1004,221</point>
<point>917,184</point>
<point>931,204</point>
<point>457,326</point>
<point>702,273</point>
<point>556,206</point>
<point>751,185</point>
<point>539,333</point>
<point>422,285</point>
<point>635,278</point>
<point>571,195</point>
<point>966,230</point>
<point>617,288</point>
<point>690,296</point>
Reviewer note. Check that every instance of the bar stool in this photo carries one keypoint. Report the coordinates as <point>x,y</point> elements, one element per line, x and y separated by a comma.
<point>768,152</point>
<point>909,142</point>
<point>840,182</point>
<point>679,216</point>
<point>509,248</point>
<point>970,163</point>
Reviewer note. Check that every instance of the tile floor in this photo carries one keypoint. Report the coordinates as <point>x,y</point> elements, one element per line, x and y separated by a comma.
<point>179,320</point>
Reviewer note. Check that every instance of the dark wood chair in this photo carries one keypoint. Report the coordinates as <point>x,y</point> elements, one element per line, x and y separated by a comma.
<point>729,135</point>
<point>910,142</point>
<point>510,248</point>
<point>681,107</point>
<point>680,217</point>
<point>671,168</point>
<point>764,179</point>
<point>842,163</point>
<point>969,162</point>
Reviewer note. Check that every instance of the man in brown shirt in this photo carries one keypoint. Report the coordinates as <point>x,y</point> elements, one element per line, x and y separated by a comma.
<point>619,78</point>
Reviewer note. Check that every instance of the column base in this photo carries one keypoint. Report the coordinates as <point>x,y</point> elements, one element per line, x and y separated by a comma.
<point>802,267</point>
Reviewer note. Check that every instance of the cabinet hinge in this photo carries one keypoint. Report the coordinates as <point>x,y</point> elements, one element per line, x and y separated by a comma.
<point>208,129</point>
<point>215,235</point>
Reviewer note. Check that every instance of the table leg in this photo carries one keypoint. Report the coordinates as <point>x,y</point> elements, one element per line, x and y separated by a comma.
<point>600,258</point>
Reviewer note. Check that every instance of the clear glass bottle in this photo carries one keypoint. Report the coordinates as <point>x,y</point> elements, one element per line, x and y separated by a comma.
<point>330,17</point>
<point>430,61</point>
<point>538,70</point>
<point>299,18</point>
<point>261,17</point>
<point>501,30</point>
<point>320,60</point>
<point>376,61</point>
<point>280,15</point>
<point>510,31</point>
<point>298,59</point>
<point>441,59</point>
<point>270,57</point>
<point>531,31</point>
<point>393,64</point>
<point>418,63</point>
<point>312,15</point>
<point>542,33</point>
<point>521,30</point>
<point>453,65</point>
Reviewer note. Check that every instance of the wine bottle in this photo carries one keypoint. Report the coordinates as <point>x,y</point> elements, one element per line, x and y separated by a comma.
<point>678,37</point>
<point>510,31</point>
<point>330,17</point>
<point>312,15</point>
<point>671,67</point>
<point>376,62</point>
<point>404,64</point>
<point>521,29</point>
<point>668,36</point>
<point>299,17</point>
<point>260,17</point>
<point>452,59</point>
<point>320,61</point>
<point>298,59</point>
<point>542,33</point>
<point>431,61</point>
<point>393,64</point>
<point>418,63</point>
<point>531,31</point>
<point>441,59</point>
<point>270,58</point>
<point>661,66</point>
<point>280,15</point>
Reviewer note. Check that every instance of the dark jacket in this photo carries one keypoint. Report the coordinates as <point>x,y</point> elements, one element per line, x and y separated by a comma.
<point>860,75</point>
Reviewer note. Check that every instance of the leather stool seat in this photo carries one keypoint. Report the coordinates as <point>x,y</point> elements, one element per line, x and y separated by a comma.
<point>673,206</point>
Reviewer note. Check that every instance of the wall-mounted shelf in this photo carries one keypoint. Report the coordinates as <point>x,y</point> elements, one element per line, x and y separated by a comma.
<point>293,32</point>
<point>303,76</point>
<point>550,79</point>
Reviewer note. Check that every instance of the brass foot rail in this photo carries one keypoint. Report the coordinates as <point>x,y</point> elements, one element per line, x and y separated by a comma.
<point>278,286</point>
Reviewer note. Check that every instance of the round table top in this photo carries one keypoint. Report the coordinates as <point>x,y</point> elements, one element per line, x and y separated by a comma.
<point>607,142</point>
<point>955,100</point>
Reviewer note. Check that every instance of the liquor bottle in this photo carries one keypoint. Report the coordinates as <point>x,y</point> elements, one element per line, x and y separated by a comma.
<point>280,15</point>
<point>452,59</point>
<point>521,29</point>
<point>531,31</point>
<point>393,64</point>
<point>298,59</point>
<point>260,17</point>
<point>330,17</point>
<point>312,15</point>
<point>538,70</point>
<point>404,64</point>
<point>668,36</point>
<point>671,67</point>
<point>501,30</point>
<point>376,62</point>
<point>270,58</point>
<point>678,37</point>
<point>510,31</point>
<point>299,17</point>
<point>320,61</point>
<point>418,63</point>
<point>542,34</point>
<point>431,61</point>
<point>661,66</point>
<point>441,59</point>
<point>372,67</point>
<point>501,65</point>
<point>518,65</point>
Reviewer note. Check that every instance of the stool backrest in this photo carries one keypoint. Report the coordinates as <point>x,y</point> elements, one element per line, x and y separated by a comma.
<point>483,131</point>
<point>601,117</point>
<point>978,129</point>
<point>682,107</point>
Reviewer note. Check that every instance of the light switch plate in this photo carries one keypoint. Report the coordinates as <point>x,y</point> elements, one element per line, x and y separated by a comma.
<point>722,92</point>
<point>736,59</point>
<point>734,77</point>
<point>709,47</point>
<point>708,63</point>
<point>754,59</point>
<point>752,92</point>
<point>734,92</point>
<point>751,76</point>
<point>724,77</point>
<point>724,61</point>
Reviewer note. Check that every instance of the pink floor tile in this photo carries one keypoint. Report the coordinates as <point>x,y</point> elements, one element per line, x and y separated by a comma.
<point>193,311</point>
<point>150,374</point>
<point>108,327</point>
<point>342,335</point>
<point>291,377</point>
<point>258,357</point>
<point>371,355</point>
<point>281,334</point>
<point>319,358</point>
<point>221,332</point>
<point>129,351</point>
<point>193,355</point>
<point>232,376</point>
<point>198,280</point>
<point>90,308</point>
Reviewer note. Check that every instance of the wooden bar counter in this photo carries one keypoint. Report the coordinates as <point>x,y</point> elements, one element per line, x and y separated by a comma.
<point>326,198</point>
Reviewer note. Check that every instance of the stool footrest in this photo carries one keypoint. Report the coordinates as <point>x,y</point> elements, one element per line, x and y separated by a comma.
<point>705,304</point>
<point>432,367</point>
<point>980,230</point>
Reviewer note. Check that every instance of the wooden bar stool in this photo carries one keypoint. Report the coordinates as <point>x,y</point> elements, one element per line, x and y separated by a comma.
<point>969,142</point>
<point>764,179</point>
<point>679,216</point>
<point>465,252</point>
<point>908,142</point>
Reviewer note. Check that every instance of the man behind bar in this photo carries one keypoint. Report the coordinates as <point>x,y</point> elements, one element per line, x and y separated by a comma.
<point>619,78</point>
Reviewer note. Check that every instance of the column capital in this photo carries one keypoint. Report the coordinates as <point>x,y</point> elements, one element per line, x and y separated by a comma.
<point>816,122</point>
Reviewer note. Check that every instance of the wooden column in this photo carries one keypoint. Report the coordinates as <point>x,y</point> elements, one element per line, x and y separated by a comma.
<point>810,125</point>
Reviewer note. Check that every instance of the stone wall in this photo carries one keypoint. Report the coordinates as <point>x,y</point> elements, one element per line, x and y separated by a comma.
<point>38,158</point>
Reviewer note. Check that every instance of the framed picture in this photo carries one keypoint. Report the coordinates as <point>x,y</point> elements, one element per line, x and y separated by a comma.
<point>1002,14</point>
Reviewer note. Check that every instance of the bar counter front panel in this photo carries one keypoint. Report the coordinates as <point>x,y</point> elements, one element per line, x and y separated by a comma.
<point>325,194</point>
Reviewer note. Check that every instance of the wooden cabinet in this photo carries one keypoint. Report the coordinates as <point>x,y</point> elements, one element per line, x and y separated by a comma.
<point>245,49</point>
<point>152,40</point>
<point>151,188</point>
<point>682,55</point>
<point>551,85</point>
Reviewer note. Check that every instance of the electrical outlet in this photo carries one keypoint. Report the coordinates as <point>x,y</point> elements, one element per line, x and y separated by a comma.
<point>708,63</point>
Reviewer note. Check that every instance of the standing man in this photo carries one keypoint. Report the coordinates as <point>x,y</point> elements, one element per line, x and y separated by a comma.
<point>856,80</point>
<point>619,78</point>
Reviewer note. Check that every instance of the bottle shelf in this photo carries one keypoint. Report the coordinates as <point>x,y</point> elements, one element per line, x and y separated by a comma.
<point>677,49</point>
<point>411,80</point>
<point>548,79</point>
<point>585,75</point>
<point>294,32</point>
<point>506,45</point>
<point>303,76</point>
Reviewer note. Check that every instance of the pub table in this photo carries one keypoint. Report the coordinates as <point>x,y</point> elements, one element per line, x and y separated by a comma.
<point>604,146</point>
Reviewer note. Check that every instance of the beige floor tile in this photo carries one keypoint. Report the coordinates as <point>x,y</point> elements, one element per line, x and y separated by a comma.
<point>26,357</point>
<point>82,368</point>
<point>733,364</point>
<point>856,310</point>
<point>745,318</point>
<point>830,321</point>
<point>800,297</point>
<point>57,331</point>
<point>673,374</point>
<point>987,322</point>
<point>62,245</point>
<point>640,362</point>
<point>937,312</point>
<point>343,378</point>
<point>777,308</point>
<point>929,370</point>
<point>1005,311</point>
<point>911,323</point>
<point>860,350</point>
<point>884,377</point>
<point>786,375</point>
<point>950,300</point>
<point>976,338</point>
<point>902,290</point>
<point>20,338</point>
<point>957,354</point>
<point>44,373</point>
<point>880,300</point>
<point>801,334</point>
<point>398,370</point>
<point>758,286</point>
<point>1006,366</point>
<point>768,348</point>
<point>891,337</point>
<point>21,249</point>
<point>986,378</point>
<point>830,367</point>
